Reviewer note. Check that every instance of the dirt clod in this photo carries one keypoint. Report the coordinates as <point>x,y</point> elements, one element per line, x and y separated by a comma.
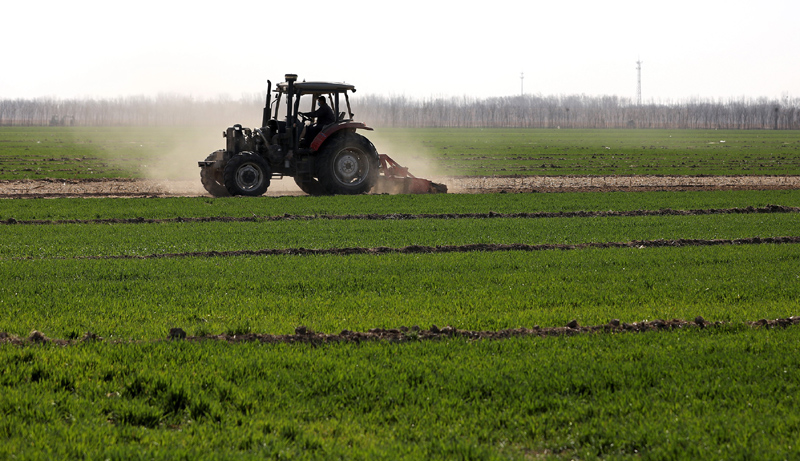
<point>177,333</point>
<point>89,336</point>
<point>700,321</point>
<point>38,337</point>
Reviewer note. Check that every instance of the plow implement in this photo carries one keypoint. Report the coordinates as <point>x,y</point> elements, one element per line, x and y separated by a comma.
<point>395,179</point>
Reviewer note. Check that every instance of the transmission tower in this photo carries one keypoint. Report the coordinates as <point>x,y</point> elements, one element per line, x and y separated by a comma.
<point>638,82</point>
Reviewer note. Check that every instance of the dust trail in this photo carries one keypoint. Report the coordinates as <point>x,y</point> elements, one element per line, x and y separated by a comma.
<point>407,150</point>
<point>175,167</point>
<point>182,149</point>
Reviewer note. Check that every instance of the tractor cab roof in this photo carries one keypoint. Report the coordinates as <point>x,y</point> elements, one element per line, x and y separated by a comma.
<point>316,87</point>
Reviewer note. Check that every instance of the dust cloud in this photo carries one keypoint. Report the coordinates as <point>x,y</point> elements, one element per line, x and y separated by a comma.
<point>407,150</point>
<point>182,149</point>
<point>172,163</point>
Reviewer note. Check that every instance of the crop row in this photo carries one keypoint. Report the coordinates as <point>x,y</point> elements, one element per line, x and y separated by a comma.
<point>147,208</point>
<point>328,293</point>
<point>87,240</point>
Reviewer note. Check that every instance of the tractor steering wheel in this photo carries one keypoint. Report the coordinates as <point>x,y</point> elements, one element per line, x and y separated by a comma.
<point>303,117</point>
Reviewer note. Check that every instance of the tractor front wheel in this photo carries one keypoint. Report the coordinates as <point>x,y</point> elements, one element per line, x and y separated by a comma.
<point>247,174</point>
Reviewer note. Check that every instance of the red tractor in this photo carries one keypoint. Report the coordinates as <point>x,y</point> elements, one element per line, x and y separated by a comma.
<point>338,160</point>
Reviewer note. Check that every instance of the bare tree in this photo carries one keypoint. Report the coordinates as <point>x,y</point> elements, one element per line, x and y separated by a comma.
<point>527,111</point>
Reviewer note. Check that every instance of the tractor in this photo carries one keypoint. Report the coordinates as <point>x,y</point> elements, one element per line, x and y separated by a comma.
<point>338,160</point>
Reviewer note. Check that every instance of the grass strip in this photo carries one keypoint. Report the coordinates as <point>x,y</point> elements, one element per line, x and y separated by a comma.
<point>143,298</point>
<point>171,238</point>
<point>203,207</point>
<point>690,394</point>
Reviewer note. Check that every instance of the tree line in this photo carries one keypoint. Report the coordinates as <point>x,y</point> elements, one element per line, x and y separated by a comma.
<point>524,111</point>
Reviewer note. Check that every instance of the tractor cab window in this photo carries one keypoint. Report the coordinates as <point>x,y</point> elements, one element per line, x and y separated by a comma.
<point>278,107</point>
<point>308,102</point>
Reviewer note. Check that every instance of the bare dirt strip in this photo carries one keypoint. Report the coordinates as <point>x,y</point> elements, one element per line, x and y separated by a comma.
<point>100,187</point>
<point>614,183</point>
<point>410,216</point>
<point>304,335</point>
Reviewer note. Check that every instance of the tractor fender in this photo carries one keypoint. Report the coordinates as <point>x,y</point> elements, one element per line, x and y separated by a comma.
<point>329,130</point>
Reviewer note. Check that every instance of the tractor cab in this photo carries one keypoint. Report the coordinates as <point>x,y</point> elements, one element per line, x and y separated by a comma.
<point>305,97</point>
<point>286,117</point>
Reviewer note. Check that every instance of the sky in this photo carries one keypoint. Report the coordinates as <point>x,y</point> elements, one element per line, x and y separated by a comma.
<point>706,49</point>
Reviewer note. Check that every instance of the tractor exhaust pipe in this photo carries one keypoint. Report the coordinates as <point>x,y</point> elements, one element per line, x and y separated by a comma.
<point>291,119</point>
<point>265,118</point>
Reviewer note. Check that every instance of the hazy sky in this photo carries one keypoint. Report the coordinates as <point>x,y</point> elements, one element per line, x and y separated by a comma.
<point>700,48</point>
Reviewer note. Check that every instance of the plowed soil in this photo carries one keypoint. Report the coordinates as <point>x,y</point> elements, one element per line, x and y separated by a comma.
<point>44,188</point>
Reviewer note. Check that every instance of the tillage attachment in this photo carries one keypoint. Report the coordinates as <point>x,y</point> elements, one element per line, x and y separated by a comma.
<point>395,179</point>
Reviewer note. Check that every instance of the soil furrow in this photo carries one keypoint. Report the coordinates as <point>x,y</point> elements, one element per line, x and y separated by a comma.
<point>304,335</point>
<point>485,247</point>
<point>410,216</point>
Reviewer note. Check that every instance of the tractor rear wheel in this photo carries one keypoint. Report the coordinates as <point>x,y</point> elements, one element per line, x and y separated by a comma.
<point>348,164</point>
<point>247,174</point>
<point>211,176</point>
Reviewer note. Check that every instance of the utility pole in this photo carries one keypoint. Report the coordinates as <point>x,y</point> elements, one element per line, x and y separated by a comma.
<point>521,87</point>
<point>638,82</point>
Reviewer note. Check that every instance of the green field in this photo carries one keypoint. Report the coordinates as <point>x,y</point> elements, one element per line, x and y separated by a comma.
<point>504,152</point>
<point>85,152</point>
<point>726,392</point>
<point>128,270</point>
